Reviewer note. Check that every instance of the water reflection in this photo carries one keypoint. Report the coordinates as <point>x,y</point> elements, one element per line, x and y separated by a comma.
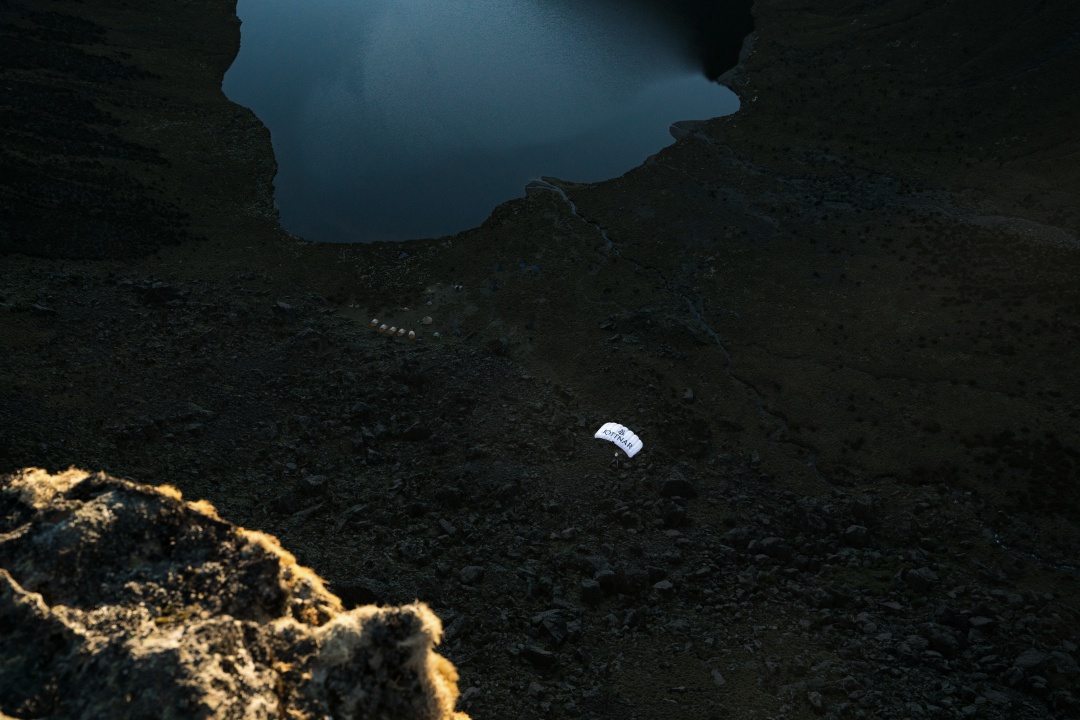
<point>393,119</point>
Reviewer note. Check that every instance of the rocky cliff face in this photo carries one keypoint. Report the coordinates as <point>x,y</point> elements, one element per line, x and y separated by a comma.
<point>119,599</point>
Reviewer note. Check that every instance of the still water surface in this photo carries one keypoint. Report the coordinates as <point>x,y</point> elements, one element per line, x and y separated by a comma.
<point>396,119</point>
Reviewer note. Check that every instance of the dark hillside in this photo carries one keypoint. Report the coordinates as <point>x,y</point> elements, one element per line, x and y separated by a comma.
<point>844,321</point>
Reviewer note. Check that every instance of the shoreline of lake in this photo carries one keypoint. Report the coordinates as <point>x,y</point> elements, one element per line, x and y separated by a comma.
<point>365,127</point>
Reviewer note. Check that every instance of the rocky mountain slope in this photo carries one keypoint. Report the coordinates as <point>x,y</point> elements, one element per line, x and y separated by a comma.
<point>844,321</point>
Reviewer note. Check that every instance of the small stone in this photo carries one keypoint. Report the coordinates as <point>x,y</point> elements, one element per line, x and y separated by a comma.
<point>664,587</point>
<point>817,598</point>
<point>312,485</point>
<point>688,396</point>
<point>635,617</point>
<point>678,627</point>
<point>607,580</point>
<point>553,622</point>
<point>943,639</point>
<point>1013,676</point>
<point>737,538</point>
<point>1029,659</point>
<point>775,548</point>
<point>471,575</point>
<point>673,515</point>
<point>1064,664</point>
<point>591,592</point>
<point>540,657</point>
<point>857,536</point>
<point>863,509</point>
<point>718,678</point>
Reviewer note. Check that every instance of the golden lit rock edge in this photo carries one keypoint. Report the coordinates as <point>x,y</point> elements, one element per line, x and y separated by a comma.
<point>121,599</point>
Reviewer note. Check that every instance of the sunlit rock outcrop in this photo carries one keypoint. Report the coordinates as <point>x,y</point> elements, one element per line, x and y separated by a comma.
<point>122,600</point>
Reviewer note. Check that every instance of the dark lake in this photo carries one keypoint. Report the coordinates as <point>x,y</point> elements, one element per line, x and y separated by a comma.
<point>396,119</point>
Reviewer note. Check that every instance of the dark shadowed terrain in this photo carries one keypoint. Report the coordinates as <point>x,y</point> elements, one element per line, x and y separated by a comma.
<point>844,322</point>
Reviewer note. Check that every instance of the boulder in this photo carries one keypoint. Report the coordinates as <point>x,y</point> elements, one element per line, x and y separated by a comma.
<point>119,599</point>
